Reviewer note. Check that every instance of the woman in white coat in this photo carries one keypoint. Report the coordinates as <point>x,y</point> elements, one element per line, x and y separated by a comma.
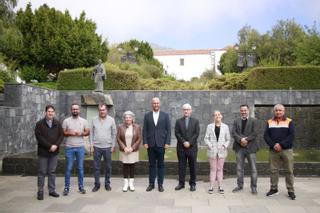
<point>217,139</point>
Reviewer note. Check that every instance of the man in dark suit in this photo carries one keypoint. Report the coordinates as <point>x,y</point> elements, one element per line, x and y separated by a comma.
<point>187,132</point>
<point>156,138</point>
<point>244,132</point>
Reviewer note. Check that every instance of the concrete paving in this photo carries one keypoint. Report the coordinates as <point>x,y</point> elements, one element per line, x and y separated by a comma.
<point>18,194</point>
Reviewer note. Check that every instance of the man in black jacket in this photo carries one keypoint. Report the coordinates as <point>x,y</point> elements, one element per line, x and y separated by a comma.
<point>49,134</point>
<point>245,145</point>
<point>187,132</point>
<point>156,138</point>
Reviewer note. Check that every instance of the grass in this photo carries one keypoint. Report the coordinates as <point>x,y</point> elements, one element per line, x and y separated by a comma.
<point>300,155</point>
<point>47,85</point>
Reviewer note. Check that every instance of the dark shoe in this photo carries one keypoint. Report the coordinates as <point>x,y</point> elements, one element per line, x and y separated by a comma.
<point>237,189</point>
<point>65,191</point>
<point>40,195</point>
<point>82,190</point>
<point>150,188</point>
<point>292,196</point>
<point>272,192</point>
<point>95,188</point>
<point>160,188</point>
<point>179,187</point>
<point>54,194</point>
<point>254,191</point>
<point>192,188</point>
<point>107,187</point>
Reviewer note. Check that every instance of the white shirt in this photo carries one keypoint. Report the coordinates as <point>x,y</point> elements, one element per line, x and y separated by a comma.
<point>155,117</point>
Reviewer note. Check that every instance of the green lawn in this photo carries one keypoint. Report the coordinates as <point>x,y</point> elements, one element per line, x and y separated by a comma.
<point>300,155</point>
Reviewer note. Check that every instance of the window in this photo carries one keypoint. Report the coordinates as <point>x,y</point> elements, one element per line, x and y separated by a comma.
<point>181,61</point>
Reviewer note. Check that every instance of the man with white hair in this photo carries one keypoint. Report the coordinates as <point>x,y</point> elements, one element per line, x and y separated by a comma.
<point>279,135</point>
<point>187,132</point>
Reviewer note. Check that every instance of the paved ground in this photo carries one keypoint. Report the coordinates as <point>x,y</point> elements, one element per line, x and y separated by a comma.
<point>18,194</point>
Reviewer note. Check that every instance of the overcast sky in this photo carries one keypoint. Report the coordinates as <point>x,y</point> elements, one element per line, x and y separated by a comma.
<point>185,24</point>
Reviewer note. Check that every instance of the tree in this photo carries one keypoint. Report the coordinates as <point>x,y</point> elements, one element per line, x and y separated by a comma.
<point>308,50</point>
<point>284,39</point>
<point>54,41</point>
<point>228,61</point>
<point>6,10</point>
<point>143,53</point>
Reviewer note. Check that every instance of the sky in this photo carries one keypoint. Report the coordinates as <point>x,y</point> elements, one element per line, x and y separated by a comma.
<point>184,24</point>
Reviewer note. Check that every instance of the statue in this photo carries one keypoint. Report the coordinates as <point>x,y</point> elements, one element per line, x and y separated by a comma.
<point>99,75</point>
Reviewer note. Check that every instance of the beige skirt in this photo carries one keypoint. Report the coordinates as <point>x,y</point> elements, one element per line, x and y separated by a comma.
<point>132,157</point>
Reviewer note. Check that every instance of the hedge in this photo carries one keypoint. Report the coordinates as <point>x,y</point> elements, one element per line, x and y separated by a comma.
<point>297,77</point>
<point>1,85</point>
<point>81,79</point>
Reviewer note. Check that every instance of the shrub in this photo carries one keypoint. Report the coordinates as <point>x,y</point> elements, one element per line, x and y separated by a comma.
<point>29,73</point>
<point>81,79</point>
<point>230,81</point>
<point>296,77</point>
<point>155,72</point>
<point>1,85</point>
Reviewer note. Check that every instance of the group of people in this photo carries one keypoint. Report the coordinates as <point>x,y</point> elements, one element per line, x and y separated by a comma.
<point>156,135</point>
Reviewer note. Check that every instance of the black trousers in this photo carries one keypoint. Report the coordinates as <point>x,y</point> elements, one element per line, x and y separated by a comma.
<point>184,157</point>
<point>128,170</point>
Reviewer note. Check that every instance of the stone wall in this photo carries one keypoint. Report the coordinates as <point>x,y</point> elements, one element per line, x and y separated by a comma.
<point>24,105</point>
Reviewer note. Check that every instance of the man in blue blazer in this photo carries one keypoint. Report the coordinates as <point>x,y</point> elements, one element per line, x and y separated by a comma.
<point>187,132</point>
<point>156,138</point>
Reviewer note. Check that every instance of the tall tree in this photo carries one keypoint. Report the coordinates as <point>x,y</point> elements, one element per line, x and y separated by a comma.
<point>284,37</point>
<point>308,50</point>
<point>6,10</point>
<point>54,41</point>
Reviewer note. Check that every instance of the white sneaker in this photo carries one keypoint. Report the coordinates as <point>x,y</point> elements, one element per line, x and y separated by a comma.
<point>210,190</point>
<point>220,190</point>
<point>125,185</point>
<point>131,186</point>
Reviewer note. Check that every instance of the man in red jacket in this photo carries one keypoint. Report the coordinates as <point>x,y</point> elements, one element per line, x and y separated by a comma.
<point>49,134</point>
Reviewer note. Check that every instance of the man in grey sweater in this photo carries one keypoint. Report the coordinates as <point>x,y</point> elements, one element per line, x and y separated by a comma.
<point>103,139</point>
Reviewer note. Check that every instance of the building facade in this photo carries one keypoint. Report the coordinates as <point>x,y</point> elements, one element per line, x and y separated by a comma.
<point>186,64</point>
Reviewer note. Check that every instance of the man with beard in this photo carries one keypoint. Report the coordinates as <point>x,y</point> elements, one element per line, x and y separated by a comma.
<point>74,128</point>
<point>245,145</point>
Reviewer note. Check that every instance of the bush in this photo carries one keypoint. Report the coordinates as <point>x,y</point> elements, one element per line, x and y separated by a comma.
<point>297,77</point>
<point>29,73</point>
<point>230,81</point>
<point>81,79</point>
<point>162,84</point>
<point>155,72</point>
<point>1,85</point>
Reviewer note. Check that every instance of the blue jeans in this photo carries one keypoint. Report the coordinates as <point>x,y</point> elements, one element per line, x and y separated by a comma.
<point>70,153</point>
<point>156,164</point>
<point>97,154</point>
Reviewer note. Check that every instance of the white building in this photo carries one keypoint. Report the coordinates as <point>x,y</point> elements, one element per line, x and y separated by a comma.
<point>185,64</point>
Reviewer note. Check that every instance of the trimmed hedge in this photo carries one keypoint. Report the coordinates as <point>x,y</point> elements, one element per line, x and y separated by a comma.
<point>1,85</point>
<point>297,77</point>
<point>81,79</point>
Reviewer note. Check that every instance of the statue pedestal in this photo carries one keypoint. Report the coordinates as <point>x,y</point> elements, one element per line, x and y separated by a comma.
<point>96,98</point>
